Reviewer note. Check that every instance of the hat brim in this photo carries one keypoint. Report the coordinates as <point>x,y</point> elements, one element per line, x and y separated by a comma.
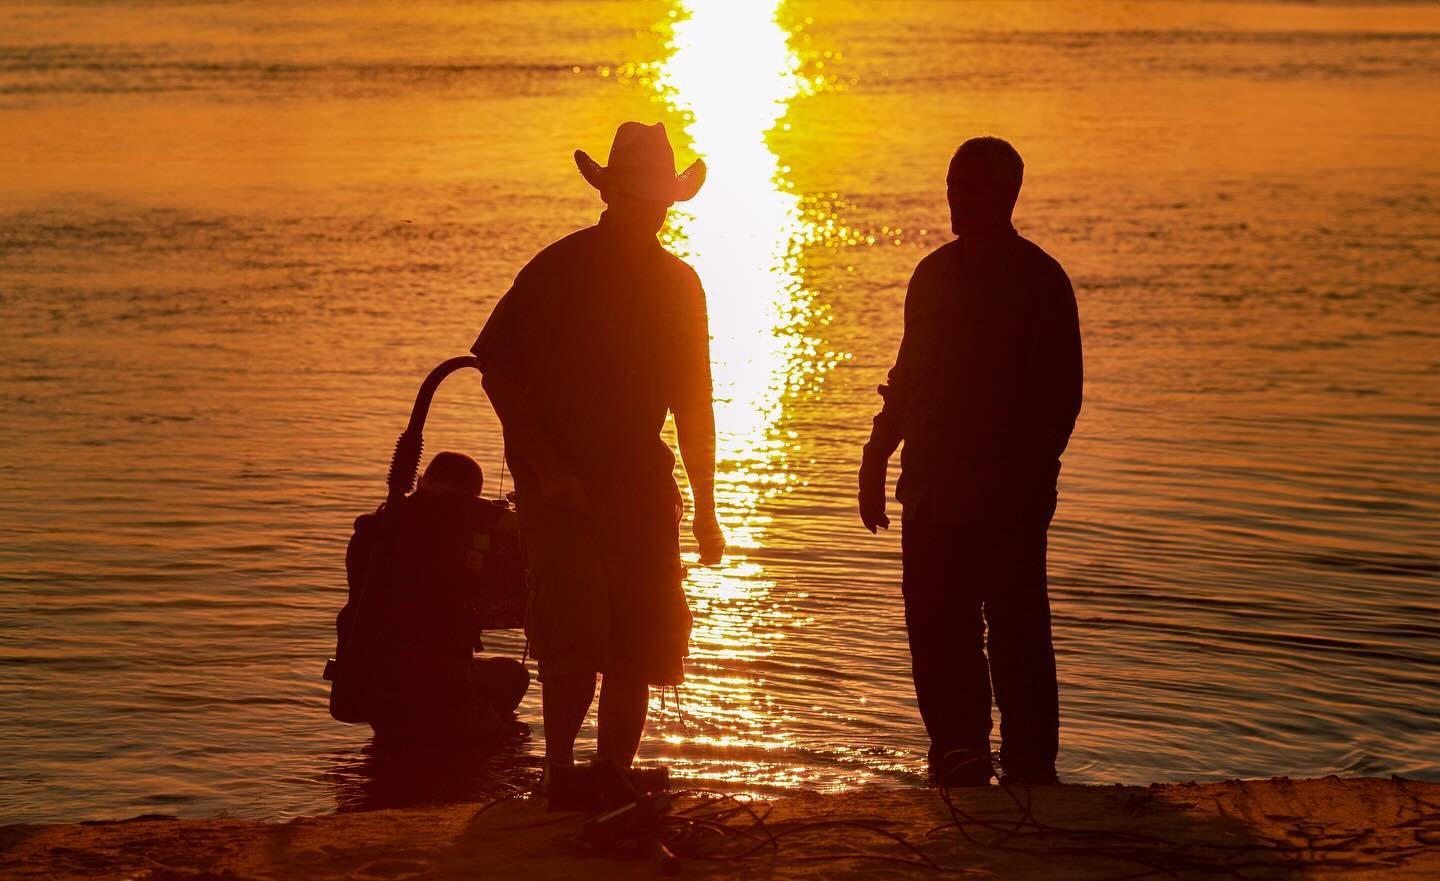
<point>653,187</point>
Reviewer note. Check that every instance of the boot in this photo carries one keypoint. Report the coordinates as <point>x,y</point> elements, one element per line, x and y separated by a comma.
<point>961,767</point>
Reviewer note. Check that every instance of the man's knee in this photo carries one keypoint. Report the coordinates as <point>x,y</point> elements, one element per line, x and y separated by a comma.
<point>1020,606</point>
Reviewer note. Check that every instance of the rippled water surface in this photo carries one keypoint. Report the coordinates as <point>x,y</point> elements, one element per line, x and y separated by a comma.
<point>233,238</point>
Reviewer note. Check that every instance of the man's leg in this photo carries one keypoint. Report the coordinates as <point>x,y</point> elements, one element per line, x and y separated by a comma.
<point>564,703</point>
<point>947,636</point>
<point>624,704</point>
<point>1022,656</point>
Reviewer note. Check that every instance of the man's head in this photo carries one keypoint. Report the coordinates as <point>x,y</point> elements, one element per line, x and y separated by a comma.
<point>640,182</point>
<point>453,474</point>
<point>634,213</point>
<point>983,184</point>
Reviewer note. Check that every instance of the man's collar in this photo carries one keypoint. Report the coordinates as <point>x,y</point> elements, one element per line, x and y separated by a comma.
<point>624,232</point>
<point>987,235</point>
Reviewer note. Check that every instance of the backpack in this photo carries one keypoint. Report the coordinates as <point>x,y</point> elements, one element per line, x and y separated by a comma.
<point>426,576</point>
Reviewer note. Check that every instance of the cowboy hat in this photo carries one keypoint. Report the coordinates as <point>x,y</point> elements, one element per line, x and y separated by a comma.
<point>642,163</point>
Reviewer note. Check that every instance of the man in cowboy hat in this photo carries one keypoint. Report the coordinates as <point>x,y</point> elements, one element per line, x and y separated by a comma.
<point>602,334</point>
<point>984,392</point>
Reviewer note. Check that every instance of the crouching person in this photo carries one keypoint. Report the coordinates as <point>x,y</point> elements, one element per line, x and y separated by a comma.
<point>420,576</point>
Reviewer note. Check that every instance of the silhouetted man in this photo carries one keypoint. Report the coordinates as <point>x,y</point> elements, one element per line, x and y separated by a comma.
<point>984,393</point>
<point>602,333</point>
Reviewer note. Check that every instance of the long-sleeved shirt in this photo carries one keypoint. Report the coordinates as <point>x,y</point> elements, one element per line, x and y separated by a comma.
<point>987,385</point>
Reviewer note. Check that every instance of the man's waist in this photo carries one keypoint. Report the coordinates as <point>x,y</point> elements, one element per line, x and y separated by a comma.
<point>981,473</point>
<point>984,446</point>
<point>608,461</point>
<point>986,496</point>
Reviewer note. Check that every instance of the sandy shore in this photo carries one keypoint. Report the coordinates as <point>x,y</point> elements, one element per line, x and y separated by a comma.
<point>1330,828</point>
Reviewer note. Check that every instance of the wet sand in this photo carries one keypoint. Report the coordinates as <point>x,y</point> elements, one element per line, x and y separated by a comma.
<point>1332,828</point>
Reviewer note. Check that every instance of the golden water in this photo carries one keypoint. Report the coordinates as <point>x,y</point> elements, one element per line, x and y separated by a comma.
<point>233,239</point>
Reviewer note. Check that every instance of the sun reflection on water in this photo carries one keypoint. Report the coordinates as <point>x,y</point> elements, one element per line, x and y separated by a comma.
<point>731,74</point>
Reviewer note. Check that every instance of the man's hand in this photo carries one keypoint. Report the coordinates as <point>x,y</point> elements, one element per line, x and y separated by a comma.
<point>710,537</point>
<point>872,509</point>
<point>872,490</point>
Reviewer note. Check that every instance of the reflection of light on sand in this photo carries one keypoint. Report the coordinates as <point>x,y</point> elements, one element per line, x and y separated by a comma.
<point>732,73</point>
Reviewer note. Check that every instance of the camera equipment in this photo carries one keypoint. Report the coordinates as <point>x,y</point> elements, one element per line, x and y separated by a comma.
<point>397,559</point>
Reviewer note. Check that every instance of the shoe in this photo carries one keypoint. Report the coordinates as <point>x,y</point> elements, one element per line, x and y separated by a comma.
<point>961,767</point>
<point>600,786</point>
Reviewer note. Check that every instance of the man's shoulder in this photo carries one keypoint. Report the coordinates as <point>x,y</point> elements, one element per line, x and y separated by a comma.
<point>563,252</point>
<point>938,258</point>
<point>1040,260</point>
<point>682,272</point>
<point>927,283</point>
<point>576,249</point>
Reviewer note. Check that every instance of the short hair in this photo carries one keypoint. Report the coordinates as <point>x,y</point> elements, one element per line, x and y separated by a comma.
<point>995,159</point>
<point>453,473</point>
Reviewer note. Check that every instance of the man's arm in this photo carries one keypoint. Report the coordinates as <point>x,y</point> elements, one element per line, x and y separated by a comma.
<point>695,429</point>
<point>694,409</point>
<point>887,429</point>
<point>1061,371</point>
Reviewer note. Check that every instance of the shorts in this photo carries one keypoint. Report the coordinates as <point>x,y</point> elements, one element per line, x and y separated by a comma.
<point>606,599</point>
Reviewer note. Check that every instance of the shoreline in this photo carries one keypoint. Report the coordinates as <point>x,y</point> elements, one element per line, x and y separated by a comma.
<point>1255,829</point>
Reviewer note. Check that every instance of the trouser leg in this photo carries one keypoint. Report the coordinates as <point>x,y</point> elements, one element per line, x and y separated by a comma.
<point>947,637</point>
<point>1022,655</point>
